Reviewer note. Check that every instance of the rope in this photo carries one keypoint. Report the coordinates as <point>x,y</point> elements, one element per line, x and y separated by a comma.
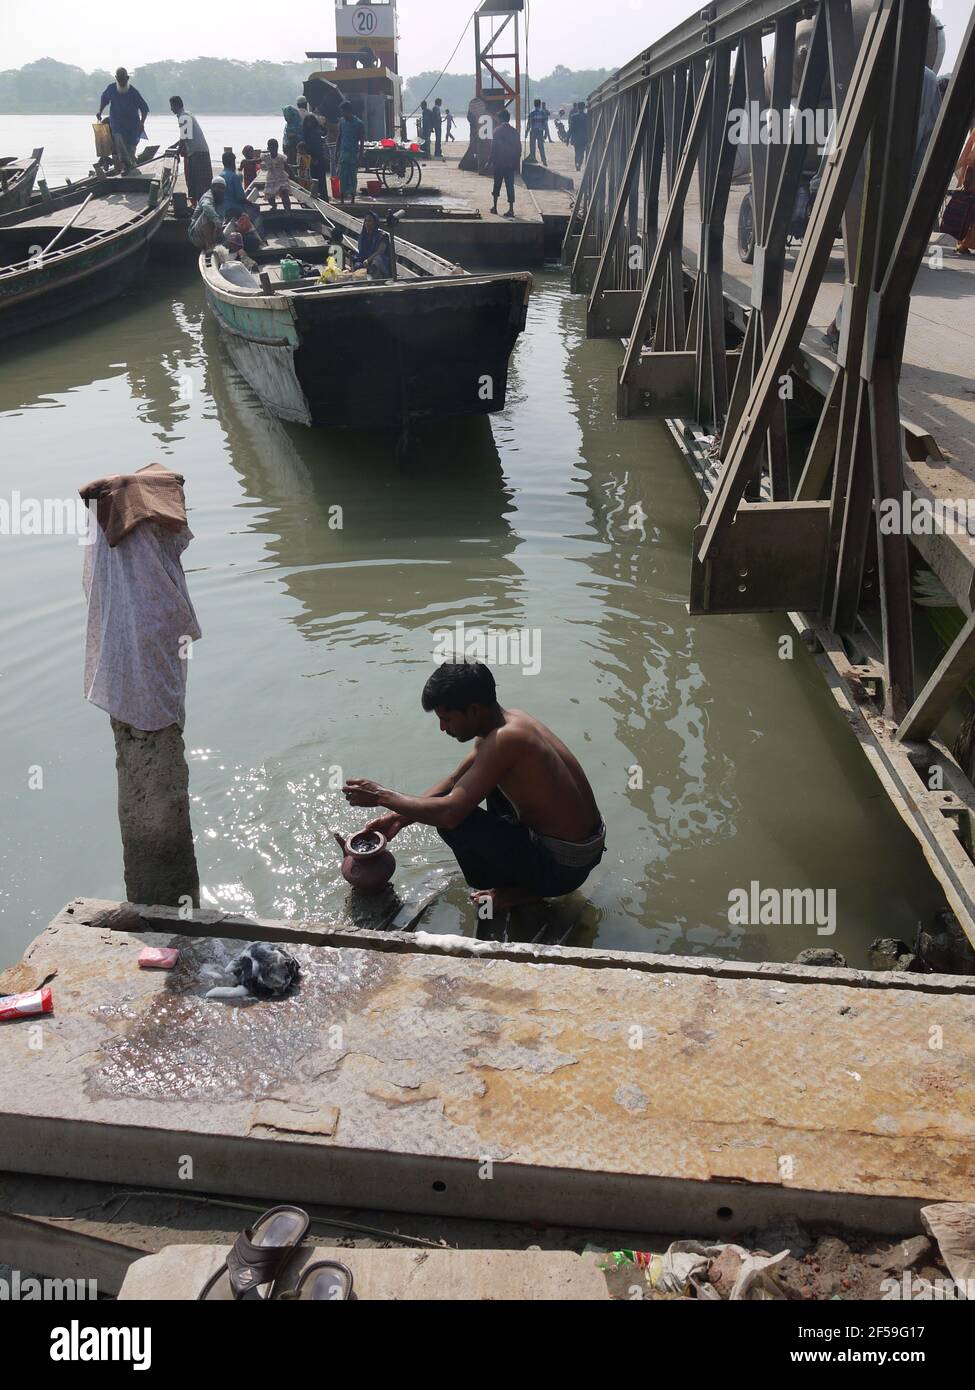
<point>445,66</point>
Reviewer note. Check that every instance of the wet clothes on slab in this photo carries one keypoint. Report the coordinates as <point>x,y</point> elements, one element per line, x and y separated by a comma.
<point>494,849</point>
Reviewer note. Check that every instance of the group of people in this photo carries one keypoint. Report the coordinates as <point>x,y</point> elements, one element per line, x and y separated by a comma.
<point>434,124</point>
<point>312,145</point>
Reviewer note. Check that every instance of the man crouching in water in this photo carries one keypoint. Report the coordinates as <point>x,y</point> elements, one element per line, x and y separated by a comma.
<point>541,835</point>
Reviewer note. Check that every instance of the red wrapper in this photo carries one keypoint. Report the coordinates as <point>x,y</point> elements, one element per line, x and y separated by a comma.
<point>35,1001</point>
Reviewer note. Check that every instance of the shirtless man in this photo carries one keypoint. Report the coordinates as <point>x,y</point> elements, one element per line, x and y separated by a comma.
<point>541,835</point>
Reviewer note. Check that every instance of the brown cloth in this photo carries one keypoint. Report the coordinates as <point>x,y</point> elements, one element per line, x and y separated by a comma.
<point>125,500</point>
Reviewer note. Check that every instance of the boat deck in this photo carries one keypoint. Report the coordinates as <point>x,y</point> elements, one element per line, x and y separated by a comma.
<point>706,1095</point>
<point>103,214</point>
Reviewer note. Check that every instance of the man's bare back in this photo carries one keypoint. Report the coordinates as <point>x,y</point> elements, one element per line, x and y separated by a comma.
<point>543,779</point>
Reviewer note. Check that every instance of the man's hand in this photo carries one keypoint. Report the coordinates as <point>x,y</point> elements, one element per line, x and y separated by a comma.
<point>389,825</point>
<point>359,791</point>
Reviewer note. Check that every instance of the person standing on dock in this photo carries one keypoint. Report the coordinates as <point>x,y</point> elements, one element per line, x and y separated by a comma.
<point>449,124</point>
<point>127,112</point>
<point>425,128</point>
<point>505,160</point>
<point>537,132</point>
<point>579,132</point>
<point>541,834</point>
<point>352,136</point>
<point>437,123</point>
<point>197,164</point>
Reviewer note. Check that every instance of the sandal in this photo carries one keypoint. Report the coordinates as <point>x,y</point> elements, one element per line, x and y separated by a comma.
<point>258,1255</point>
<point>326,1281</point>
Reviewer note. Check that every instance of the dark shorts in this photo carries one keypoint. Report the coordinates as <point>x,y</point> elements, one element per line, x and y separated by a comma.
<point>494,850</point>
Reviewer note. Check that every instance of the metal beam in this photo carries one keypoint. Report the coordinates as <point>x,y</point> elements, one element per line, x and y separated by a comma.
<point>854,125</point>
<point>672,222</point>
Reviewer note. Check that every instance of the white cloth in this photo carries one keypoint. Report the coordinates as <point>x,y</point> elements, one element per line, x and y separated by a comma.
<point>275,167</point>
<point>139,615</point>
<point>190,132</point>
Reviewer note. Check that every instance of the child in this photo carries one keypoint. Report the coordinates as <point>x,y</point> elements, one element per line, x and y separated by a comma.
<point>304,165</point>
<point>276,182</point>
<point>249,165</point>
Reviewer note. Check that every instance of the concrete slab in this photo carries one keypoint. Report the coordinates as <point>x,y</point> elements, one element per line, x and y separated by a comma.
<point>178,1272</point>
<point>630,1093</point>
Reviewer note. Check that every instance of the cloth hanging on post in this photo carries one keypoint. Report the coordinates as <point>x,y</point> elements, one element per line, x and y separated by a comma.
<point>153,493</point>
<point>139,619</point>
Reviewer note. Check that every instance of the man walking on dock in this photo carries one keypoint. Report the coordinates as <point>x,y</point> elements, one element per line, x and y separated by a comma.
<point>127,112</point>
<point>541,835</point>
<point>505,159</point>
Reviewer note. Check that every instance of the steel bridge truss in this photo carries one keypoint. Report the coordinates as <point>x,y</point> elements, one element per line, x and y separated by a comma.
<point>814,548</point>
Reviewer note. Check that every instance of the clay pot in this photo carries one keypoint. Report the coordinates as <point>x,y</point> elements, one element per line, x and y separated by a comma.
<point>367,865</point>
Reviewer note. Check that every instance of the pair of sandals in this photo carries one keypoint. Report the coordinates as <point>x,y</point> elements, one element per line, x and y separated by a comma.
<point>253,1267</point>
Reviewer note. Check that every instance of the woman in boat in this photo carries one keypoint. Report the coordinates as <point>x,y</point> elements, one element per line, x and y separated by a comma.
<point>373,251</point>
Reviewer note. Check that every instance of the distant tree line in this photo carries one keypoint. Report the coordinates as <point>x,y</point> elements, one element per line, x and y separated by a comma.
<point>223,86</point>
<point>560,88</point>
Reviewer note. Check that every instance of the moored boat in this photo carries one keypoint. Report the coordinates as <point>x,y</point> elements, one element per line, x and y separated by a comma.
<point>77,248</point>
<point>428,342</point>
<point>17,180</point>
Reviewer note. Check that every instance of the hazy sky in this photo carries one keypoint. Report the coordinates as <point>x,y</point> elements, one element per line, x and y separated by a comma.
<point>578,33</point>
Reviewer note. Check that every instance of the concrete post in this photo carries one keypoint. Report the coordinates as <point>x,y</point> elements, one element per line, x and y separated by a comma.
<point>154,816</point>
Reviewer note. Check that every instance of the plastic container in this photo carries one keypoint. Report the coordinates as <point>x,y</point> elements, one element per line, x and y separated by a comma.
<point>290,270</point>
<point>336,186</point>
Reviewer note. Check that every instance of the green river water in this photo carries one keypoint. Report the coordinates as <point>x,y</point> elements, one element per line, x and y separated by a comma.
<point>317,642</point>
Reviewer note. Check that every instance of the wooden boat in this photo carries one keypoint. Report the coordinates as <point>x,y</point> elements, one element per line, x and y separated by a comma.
<point>150,166</point>
<point>17,180</point>
<point>430,343</point>
<point>77,248</point>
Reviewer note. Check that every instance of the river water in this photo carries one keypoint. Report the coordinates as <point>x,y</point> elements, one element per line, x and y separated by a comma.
<point>715,762</point>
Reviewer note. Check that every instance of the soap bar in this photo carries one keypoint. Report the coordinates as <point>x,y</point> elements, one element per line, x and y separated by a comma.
<point>158,957</point>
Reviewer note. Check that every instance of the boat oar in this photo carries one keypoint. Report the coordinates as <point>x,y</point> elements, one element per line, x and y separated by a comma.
<point>70,223</point>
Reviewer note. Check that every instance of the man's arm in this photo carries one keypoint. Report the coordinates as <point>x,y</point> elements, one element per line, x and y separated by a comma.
<point>489,763</point>
<point>392,822</point>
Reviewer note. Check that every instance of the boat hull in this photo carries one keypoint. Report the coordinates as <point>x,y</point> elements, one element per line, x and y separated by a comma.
<point>77,278</point>
<point>379,356</point>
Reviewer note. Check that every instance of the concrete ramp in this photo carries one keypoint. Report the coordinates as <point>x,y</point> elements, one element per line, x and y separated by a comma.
<point>559,1085</point>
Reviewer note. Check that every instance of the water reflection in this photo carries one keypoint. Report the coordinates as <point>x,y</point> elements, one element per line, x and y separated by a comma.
<point>318,637</point>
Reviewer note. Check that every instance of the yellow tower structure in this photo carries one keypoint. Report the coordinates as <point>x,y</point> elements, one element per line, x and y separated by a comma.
<point>366,55</point>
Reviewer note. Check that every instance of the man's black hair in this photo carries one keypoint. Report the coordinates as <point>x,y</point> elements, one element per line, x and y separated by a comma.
<point>458,685</point>
<point>177,100</point>
<point>228,159</point>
